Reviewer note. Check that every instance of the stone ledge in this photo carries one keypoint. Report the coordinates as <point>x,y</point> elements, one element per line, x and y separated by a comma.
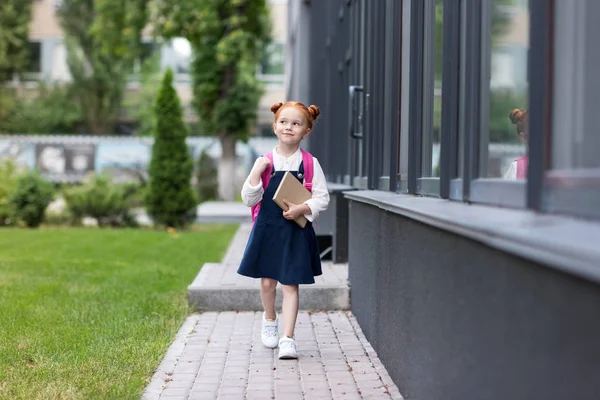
<point>312,297</point>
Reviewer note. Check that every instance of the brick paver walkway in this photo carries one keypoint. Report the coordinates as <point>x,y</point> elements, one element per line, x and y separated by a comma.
<point>220,356</point>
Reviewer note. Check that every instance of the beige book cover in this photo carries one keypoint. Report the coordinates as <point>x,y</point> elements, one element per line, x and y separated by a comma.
<point>292,190</point>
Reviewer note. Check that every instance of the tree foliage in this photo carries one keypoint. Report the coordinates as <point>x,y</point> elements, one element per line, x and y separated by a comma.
<point>103,41</point>
<point>53,110</point>
<point>228,39</point>
<point>170,198</point>
<point>206,178</point>
<point>140,105</point>
<point>14,36</point>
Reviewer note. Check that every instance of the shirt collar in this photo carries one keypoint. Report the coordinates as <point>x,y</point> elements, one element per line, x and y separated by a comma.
<point>275,153</point>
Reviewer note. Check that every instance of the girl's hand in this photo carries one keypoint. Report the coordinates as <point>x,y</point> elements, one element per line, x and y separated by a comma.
<point>259,167</point>
<point>295,210</point>
<point>261,164</point>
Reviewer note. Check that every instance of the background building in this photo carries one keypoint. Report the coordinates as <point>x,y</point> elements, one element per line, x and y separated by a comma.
<point>469,283</point>
<point>48,59</point>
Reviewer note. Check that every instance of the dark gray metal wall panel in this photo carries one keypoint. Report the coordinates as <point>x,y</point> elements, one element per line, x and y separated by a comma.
<point>340,229</point>
<point>363,276</point>
<point>453,319</point>
<point>326,220</point>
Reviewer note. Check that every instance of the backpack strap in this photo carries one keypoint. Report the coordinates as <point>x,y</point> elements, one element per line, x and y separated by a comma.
<point>265,178</point>
<point>309,170</point>
<point>266,175</point>
<point>522,167</point>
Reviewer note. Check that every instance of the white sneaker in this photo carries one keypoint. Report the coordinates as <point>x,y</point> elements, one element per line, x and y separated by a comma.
<point>287,348</point>
<point>270,332</point>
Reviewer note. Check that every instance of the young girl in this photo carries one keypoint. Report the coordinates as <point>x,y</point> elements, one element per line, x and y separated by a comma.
<point>518,168</point>
<point>278,249</point>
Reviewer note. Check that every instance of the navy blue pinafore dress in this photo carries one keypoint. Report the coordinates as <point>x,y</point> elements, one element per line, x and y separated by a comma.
<point>278,248</point>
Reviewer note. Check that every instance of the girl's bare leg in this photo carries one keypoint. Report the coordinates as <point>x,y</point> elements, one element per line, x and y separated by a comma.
<point>290,309</point>
<point>267,294</point>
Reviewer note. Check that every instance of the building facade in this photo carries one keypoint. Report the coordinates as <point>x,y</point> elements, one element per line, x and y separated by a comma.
<point>465,137</point>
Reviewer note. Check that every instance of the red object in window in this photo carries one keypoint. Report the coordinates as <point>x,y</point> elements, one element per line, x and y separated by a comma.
<point>522,167</point>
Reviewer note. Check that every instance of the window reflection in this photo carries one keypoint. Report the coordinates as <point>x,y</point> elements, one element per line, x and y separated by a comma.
<point>508,114</point>
<point>518,168</point>
<point>432,114</point>
<point>437,94</point>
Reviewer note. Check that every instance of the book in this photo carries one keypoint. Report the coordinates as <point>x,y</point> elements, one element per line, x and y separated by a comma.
<point>292,190</point>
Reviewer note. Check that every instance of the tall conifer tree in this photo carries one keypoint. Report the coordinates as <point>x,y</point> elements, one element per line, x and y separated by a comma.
<point>170,199</point>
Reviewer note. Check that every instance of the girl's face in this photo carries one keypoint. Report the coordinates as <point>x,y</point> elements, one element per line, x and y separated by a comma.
<point>291,126</point>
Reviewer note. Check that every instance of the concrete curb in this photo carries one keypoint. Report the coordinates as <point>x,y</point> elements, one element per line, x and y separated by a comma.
<point>218,287</point>
<point>222,219</point>
<point>203,298</point>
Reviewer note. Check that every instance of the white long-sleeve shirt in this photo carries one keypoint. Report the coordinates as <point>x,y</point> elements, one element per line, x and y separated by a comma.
<point>511,173</point>
<point>319,202</point>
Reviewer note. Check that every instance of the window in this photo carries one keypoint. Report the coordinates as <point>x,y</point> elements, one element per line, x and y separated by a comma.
<point>402,148</point>
<point>494,117</point>
<point>573,183</point>
<point>432,107</point>
<point>273,61</point>
<point>505,136</point>
<point>436,130</point>
<point>265,131</point>
<point>34,63</point>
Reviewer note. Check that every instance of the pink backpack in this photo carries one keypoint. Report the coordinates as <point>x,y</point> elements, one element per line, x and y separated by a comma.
<point>307,161</point>
<point>522,167</point>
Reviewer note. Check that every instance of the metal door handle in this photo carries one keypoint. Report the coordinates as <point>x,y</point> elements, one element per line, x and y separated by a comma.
<point>353,89</point>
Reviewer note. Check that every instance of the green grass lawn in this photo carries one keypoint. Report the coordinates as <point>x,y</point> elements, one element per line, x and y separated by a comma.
<point>89,313</point>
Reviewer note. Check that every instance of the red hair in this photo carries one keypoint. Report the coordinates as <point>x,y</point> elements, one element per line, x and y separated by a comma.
<point>311,112</point>
<point>521,119</point>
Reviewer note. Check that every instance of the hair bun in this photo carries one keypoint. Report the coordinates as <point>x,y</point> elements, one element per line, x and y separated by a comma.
<point>276,107</point>
<point>314,111</point>
<point>516,116</point>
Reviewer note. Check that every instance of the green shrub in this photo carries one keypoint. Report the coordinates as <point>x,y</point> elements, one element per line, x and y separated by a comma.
<point>8,184</point>
<point>31,197</point>
<point>51,110</point>
<point>207,181</point>
<point>170,198</point>
<point>101,199</point>
<point>135,193</point>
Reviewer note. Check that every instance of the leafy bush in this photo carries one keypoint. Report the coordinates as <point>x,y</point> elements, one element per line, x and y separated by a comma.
<point>8,184</point>
<point>31,197</point>
<point>99,198</point>
<point>135,193</point>
<point>207,181</point>
<point>170,199</point>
